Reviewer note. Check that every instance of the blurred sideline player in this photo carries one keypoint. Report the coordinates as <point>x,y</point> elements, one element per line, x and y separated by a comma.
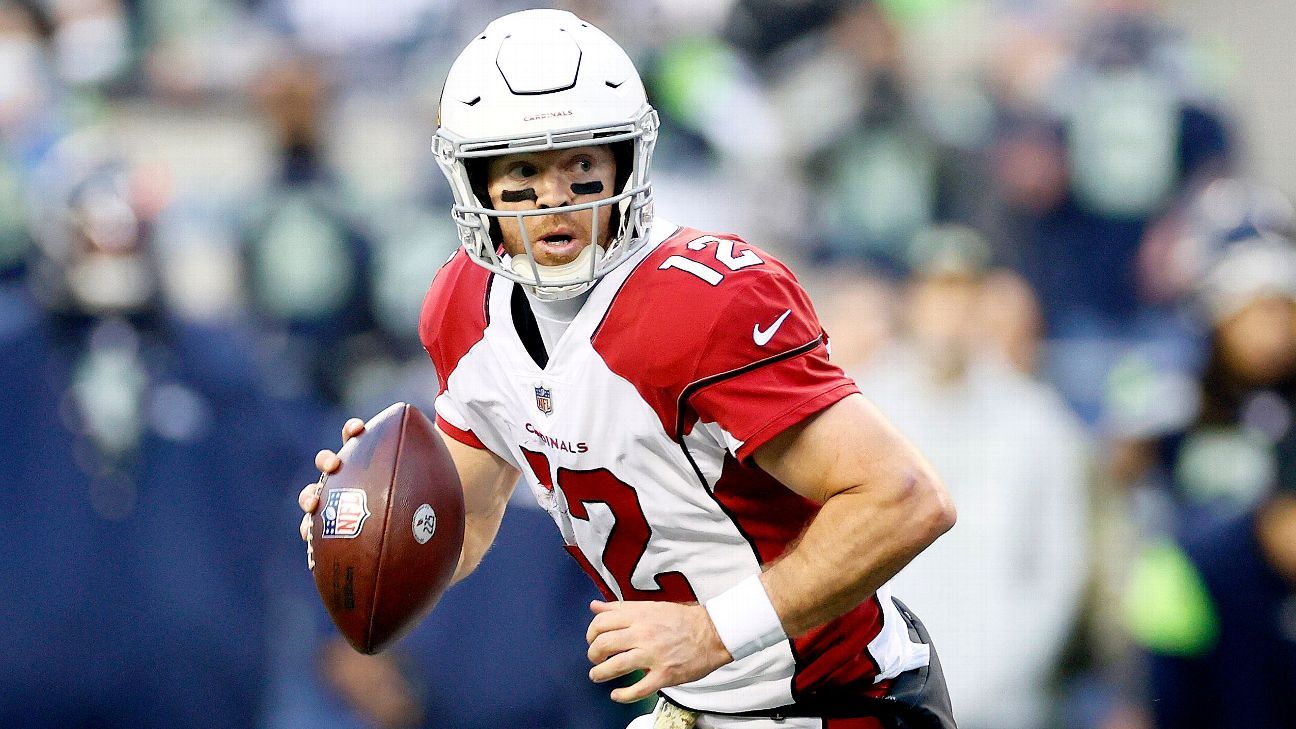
<point>667,396</point>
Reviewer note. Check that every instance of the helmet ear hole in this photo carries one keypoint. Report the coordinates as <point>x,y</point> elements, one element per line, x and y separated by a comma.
<point>623,156</point>
<point>476,169</point>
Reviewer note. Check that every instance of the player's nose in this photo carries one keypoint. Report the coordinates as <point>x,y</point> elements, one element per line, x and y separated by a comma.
<point>553,189</point>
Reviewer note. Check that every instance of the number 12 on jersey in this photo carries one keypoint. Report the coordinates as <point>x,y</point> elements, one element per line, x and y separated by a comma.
<point>628,539</point>
<point>724,253</point>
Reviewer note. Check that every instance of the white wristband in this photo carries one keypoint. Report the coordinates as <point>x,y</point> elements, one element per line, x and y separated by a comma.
<point>745,618</point>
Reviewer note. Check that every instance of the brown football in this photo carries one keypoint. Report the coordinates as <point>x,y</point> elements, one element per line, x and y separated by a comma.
<point>387,533</point>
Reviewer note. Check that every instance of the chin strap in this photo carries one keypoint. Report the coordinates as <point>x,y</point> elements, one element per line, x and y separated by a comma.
<point>563,281</point>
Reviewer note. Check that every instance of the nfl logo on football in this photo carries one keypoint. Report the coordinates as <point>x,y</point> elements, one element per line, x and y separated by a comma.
<point>544,399</point>
<point>345,512</point>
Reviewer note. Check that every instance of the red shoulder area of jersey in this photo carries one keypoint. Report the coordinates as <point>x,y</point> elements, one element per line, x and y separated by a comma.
<point>703,308</point>
<point>455,313</point>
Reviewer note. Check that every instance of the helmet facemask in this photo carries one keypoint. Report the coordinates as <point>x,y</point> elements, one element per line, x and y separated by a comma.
<point>479,223</point>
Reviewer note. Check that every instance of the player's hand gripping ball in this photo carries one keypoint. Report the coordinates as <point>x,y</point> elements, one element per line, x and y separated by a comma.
<point>385,538</point>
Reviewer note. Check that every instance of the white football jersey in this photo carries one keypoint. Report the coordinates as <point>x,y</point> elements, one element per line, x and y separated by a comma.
<point>637,438</point>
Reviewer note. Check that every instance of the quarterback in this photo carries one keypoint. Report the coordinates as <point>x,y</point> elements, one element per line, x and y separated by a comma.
<point>667,396</point>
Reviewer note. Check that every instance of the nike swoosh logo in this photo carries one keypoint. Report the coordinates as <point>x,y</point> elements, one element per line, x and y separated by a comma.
<point>763,338</point>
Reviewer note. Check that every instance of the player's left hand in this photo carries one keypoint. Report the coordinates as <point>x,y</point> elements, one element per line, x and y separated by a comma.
<point>671,643</point>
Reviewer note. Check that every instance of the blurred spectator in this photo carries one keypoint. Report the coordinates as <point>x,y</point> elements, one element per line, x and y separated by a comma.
<point>1249,385</point>
<point>91,41</point>
<point>1220,461</point>
<point>339,28</point>
<point>1010,320</point>
<point>1099,135</point>
<point>1132,134</point>
<point>197,51</point>
<point>763,28</point>
<point>386,364</point>
<point>28,91</point>
<point>725,134</point>
<point>1146,398</point>
<point>859,311</point>
<point>1003,587</point>
<point>1218,616</point>
<point>1202,468</point>
<point>146,474</point>
<point>877,175</point>
<point>307,257</point>
<point>1183,245</point>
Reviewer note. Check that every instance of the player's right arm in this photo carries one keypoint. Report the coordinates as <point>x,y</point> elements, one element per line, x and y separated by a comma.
<point>452,321</point>
<point>487,482</point>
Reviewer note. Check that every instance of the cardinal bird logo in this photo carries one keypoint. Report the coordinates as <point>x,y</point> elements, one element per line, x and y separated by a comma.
<point>544,399</point>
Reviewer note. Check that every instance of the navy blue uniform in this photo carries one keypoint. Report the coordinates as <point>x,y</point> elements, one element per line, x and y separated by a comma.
<point>1247,678</point>
<point>138,584</point>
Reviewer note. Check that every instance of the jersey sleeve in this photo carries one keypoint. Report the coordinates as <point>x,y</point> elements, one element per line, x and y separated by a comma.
<point>765,366</point>
<point>452,321</point>
<point>710,329</point>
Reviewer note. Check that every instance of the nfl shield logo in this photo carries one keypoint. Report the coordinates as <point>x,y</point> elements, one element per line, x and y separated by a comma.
<point>345,511</point>
<point>544,399</point>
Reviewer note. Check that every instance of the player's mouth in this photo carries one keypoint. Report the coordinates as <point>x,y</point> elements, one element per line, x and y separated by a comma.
<point>558,243</point>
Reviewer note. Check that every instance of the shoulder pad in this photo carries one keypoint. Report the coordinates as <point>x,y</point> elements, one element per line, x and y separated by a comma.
<point>455,313</point>
<point>700,307</point>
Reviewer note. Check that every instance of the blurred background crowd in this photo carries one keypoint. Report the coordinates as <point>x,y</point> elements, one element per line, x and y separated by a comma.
<point>1052,239</point>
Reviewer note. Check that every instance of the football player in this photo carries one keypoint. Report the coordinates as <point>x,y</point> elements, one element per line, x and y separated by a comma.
<point>667,396</point>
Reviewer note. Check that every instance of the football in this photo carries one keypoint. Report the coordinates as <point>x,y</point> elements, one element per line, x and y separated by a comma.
<point>386,536</point>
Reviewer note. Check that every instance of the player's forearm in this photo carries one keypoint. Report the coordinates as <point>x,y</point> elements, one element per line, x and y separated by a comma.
<point>860,538</point>
<point>487,483</point>
<point>882,505</point>
<point>479,533</point>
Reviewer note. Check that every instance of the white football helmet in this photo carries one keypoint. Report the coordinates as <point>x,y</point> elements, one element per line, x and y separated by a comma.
<point>540,80</point>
